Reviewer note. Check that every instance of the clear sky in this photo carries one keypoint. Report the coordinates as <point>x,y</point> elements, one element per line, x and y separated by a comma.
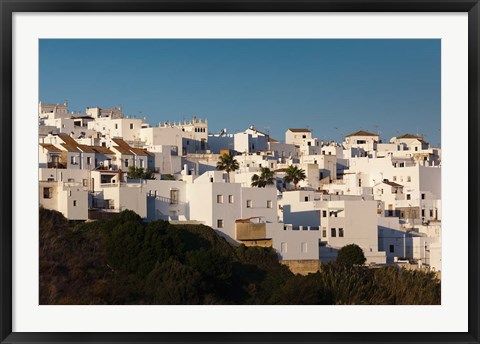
<point>333,87</point>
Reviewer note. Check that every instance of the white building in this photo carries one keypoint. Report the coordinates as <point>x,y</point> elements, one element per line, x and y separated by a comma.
<point>341,220</point>
<point>297,136</point>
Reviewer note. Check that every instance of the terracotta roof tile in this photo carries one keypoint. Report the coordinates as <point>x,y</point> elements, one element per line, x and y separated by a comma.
<point>50,147</point>
<point>103,150</point>
<point>70,148</point>
<point>393,184</point>
<point>122,150</point>
<point>121,143</point>
<point>362,133</point>
<point>138,151</point>
<point>409,136</point>
<point>299,130</point>
<point>86,149</point>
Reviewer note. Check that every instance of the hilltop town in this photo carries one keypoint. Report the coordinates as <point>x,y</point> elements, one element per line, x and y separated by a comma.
<point>302,196</point>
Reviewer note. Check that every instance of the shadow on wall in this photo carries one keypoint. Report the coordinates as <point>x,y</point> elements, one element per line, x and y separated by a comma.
<point>326,253</point>
<point>395,243</point>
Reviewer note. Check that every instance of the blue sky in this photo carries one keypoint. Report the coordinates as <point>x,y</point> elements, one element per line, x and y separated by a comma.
<point>333,87</point>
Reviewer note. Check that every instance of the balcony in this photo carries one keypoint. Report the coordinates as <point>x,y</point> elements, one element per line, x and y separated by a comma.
<point>55,164</point>
<point>250,231</point>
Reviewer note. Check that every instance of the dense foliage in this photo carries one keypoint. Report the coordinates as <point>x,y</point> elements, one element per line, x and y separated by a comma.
<point>227,163</point>
<point>351,255</point>
<point>126,261</point>
<point>294,175</point>
<point>135,172</point>
<point>265,178</point>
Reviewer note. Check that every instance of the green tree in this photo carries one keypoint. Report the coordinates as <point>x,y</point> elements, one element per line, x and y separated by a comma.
<point>351,255</point>
<point>135,172</point>
<point>167,177</point>
<point>265,178</point>
<point>294,175</point>
<point>228,164</point>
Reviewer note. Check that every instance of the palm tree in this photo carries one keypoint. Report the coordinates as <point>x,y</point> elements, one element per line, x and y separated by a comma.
<point>265,178</point>
<point>228,164</point>
<point>294,175</point>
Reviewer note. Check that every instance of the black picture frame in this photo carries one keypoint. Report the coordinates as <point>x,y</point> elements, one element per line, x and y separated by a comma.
<point>9,7</point>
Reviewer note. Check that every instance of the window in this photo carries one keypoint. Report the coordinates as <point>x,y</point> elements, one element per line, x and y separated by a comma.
<point>211,179</point>
<point>304,247</point>
<point>408,197</point>
<point>70,180</point>
<point>392,248</point>
<point>306,198</point>
<point>269,204</point>
<point>74,203</point>
<point>423,212</point>
<point>230,198</point>
<point>173,196</point>
<point>423,196</point>
<point>304,136</point>
<point>85,182</point>
<point>131,125</point>
<point>126,162</point>
<point>402,164</point>
<point>324,233</point>
<point>409,179</point>
<point>340,232</point>
<point>73,160</point>
<point>89,160</point>
<point>249,203</point>
<point>141,163</point>
<point>219,223</point>
<point>271,165</point>
<point>333,233</point>
<point>431,212</point>
<point>219,198</point>
<point>394,178</point>
<point>283,247</point>
<point>361,142</point>
<point>116,126</point>
<point>309,143</point>
<point>416,149</point>
<point>47,192</point>
<point>324,213</point>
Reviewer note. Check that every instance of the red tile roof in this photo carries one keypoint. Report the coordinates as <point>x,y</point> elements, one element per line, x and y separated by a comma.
<point>299,130</point>
<point>101,149</point>
<point>86,149</point>
<point>409,136</point>
<point>361,133</point>
<point>393,184</point>
<point>50,147</point>
<point>70,144</point>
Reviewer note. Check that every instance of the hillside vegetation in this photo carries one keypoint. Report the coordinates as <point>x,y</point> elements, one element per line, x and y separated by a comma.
<point>127,261</point>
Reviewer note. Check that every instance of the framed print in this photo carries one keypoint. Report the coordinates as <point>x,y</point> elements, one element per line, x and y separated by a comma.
<point>239,171</point>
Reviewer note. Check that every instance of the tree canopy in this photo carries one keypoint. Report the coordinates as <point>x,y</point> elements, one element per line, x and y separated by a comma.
<point>135,172</point>
<point>127,261</point>
<point>227,163</point>
<point>351,255</point>
<point>265,178</point>
<point>294,175</point>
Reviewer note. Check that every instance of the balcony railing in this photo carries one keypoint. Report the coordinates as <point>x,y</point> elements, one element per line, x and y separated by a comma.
<point>55,165</point>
